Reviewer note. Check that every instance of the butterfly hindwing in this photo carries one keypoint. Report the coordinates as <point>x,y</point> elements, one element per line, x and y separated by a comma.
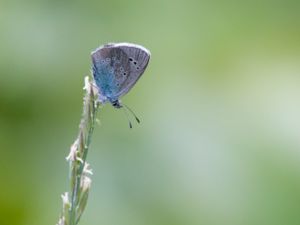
<point>109,66</point>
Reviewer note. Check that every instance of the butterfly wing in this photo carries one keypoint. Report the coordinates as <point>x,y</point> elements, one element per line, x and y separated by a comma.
<point>138,58</point>
<point>109,65</point>
<point>117,67</point>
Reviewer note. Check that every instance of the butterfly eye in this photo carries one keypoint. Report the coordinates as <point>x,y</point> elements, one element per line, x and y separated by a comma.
<point>130,59</point>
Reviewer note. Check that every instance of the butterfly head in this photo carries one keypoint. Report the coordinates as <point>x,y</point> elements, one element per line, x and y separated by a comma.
<point>117,104</point>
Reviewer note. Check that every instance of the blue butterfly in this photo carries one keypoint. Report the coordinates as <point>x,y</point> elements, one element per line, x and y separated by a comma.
<point>116,69</point>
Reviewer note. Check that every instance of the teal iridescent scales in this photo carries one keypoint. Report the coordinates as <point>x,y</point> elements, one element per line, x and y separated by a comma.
<point>116,68</point>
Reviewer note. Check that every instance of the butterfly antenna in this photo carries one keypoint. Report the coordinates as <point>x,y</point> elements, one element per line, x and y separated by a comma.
<point>126,114</point>
<point>136,118</point>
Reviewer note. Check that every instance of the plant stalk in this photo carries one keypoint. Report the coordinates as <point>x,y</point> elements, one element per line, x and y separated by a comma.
<point>75,201</point>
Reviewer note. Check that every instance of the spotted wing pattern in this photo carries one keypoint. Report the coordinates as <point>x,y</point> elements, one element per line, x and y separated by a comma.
<point>138,58</point>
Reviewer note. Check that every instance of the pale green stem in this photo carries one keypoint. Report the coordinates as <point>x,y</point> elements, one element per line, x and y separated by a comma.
<point>75,201</point>
<point>76,187</point>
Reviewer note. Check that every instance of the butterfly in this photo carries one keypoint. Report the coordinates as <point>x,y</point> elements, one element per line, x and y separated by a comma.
<point>116,67</point>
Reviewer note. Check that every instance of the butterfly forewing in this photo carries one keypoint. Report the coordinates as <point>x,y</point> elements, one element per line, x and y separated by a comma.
<point>138,58</point>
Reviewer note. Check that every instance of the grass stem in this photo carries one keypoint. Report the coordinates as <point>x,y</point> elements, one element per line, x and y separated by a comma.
<point>74,202</point>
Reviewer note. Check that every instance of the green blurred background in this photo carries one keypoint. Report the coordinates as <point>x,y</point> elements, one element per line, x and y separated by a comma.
<point>219,142</point>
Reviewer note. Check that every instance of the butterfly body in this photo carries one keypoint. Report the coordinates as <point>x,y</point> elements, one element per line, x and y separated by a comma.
<point>116,68</point>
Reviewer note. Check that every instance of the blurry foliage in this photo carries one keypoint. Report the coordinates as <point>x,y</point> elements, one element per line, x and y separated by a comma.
<point>219,103</point>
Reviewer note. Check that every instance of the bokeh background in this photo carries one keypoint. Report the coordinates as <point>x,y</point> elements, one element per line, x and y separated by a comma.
<point>219,142</point>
